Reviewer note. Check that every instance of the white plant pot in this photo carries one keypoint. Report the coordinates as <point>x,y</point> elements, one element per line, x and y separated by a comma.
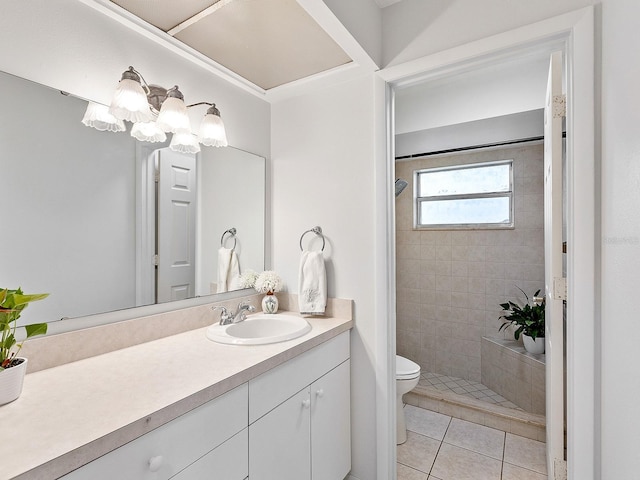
<point>533,346</point>
<point>11,380</point>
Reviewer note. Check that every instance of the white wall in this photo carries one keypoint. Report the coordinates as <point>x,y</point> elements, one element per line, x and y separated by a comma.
<point>620,195</point>
<point>503,89</point>
<point>323,174</point>
<point>496,130</point>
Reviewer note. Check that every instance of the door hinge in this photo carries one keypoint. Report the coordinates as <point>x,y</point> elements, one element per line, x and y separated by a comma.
<point>156,259</point>
<point>560,288</point>
<point>560,469</point>
<point>559,106</point>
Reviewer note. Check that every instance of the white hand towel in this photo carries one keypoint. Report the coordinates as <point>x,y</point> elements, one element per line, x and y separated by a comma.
<point>228,269</point>
<point>312,284</point>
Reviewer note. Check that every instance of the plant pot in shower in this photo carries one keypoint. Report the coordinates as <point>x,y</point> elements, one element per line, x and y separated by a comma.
<point>535,346</point>
<point>270,303</point>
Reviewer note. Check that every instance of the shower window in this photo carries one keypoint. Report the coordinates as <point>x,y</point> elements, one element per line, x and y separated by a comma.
<point>478,195</point>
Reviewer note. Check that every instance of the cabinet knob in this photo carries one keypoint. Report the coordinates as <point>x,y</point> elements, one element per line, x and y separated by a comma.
<point>320,393</point>
<point>306,403</point>
<point>155,463</point>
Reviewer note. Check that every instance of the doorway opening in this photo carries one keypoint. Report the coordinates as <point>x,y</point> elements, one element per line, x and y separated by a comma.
<point>573,33</point>
<point>451,282</point>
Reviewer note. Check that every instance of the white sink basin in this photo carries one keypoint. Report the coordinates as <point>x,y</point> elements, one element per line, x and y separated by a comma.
<point>260,329</point>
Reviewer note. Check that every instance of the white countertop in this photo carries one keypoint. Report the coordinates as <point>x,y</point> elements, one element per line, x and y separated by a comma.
<point>71,414</point>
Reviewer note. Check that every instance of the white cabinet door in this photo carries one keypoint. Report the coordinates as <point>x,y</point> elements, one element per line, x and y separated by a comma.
<point>331,425</point>
<point>229,461</point>
<point>279,441</point>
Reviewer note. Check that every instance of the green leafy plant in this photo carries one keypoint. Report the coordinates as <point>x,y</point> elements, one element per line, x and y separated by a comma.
<point>528,318</point>
<point>12,303</point>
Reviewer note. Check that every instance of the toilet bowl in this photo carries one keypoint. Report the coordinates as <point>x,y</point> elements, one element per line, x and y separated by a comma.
<point>407,377</point>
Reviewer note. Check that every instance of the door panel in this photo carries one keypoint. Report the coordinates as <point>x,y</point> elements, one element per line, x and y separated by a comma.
<point>176,225</point>
<point>554,281</point>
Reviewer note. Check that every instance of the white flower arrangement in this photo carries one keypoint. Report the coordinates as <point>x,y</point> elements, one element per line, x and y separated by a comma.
<point>268,281</point>
<point>248,279</point>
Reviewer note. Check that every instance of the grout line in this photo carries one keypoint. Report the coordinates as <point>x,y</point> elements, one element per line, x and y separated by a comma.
<point>504,448</point>
<point>440,446</point>
<point>502,460</point>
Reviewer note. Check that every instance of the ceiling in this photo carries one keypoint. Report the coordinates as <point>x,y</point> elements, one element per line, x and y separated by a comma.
<point>267,42</point>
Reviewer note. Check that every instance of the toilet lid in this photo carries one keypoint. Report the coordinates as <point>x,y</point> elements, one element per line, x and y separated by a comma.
<point>406,368</point>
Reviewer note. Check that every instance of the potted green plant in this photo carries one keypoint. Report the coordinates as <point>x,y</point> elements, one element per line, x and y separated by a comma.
<point>12,367</point>
<point>528,320</point>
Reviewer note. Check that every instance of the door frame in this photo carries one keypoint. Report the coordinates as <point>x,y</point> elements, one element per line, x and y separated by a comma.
<point>573,33</point>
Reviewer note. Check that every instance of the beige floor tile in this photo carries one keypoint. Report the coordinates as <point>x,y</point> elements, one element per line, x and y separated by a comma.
<point>408,473</point>
<point>425,422</point>
<point>511,472</point>
<point>526,453</point>
<point>477,438</point>
<point>455,463</point>
<point>418,452</point>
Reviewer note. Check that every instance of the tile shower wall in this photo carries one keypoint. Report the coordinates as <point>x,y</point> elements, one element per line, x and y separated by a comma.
<point>450,282</point>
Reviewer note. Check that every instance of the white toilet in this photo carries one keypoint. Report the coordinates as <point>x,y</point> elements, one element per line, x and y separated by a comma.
<point>407,377</point>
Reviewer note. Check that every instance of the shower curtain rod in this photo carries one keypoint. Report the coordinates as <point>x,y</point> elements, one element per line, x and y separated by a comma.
<point>474,147</point>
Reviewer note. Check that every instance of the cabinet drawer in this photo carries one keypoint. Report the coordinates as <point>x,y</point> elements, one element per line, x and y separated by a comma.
<point>229,461</point>
<point>178,443</point>
<point>275,386</point>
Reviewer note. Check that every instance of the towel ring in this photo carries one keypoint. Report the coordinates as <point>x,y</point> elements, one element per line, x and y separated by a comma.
<point>317,231</point>
<point>232,233</point>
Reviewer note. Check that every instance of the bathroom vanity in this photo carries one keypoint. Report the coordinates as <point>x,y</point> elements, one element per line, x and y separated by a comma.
<point>185,407</point>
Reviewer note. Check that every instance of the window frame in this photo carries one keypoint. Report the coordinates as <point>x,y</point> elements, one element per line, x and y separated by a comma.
<point>419,200</point>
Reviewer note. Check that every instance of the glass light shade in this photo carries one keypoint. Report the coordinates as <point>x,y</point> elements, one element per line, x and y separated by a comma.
<point>148,132</point>
<point>212,132</point>
<point>130,102</point>
<point>173,115</point>
<point>98,117</point>
<point>184,142</point>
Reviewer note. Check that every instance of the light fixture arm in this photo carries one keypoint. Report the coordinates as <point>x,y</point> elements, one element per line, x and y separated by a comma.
<point>213,110</point>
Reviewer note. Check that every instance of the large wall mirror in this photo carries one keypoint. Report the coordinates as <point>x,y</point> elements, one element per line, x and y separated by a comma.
<point>79,216</point>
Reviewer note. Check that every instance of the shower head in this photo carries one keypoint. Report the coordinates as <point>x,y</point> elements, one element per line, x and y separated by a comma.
<point>400,186</point>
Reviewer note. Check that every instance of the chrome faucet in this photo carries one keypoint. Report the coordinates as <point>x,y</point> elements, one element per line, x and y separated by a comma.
<point>227,317</point>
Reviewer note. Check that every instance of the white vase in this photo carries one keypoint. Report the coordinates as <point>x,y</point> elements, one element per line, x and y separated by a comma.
<point>533,346</point>
<point>270,303</point>
<point>11,380</point>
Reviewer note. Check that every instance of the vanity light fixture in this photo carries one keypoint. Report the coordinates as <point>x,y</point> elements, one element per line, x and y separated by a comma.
<point>98,117</point>
<point>148,132</point>
<point>184,141</point>
<point>155,110</point>
<point>129,101</point>
<point>212,131</point>
<point>173,115</point>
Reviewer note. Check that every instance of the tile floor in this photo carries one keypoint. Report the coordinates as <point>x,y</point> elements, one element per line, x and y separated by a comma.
<point>440,447</point>
<point>464,387</point>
